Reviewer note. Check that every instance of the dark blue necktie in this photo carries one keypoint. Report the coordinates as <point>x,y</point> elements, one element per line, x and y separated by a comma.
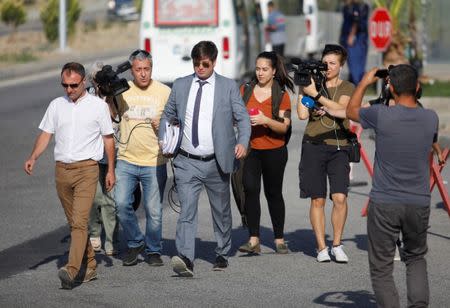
<point>198,98</point>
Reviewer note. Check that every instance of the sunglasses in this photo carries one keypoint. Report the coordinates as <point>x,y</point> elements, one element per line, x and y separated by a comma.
<point>71,85</point>
<point>205,64</point>
<point>138,51</point>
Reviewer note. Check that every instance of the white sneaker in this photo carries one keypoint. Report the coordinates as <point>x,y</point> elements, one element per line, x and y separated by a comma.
<point>323,256</point>
<point>96,243</point>
<point>339,254</point>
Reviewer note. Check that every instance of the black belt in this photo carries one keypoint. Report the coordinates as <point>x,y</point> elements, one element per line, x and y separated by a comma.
<point>197,157</point>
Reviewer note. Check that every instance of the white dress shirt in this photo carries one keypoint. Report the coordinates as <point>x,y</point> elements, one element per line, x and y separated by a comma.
<point>78,127</point>
<point>205,118</point>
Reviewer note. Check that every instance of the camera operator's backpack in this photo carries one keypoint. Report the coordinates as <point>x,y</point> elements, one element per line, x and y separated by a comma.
<point>277,96</point>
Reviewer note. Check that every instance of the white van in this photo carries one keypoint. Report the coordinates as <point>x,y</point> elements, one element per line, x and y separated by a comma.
<point>170,28</point>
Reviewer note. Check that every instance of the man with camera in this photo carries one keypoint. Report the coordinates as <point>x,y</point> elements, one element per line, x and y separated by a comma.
<point>139,160</point>
<point>400,195</point>
<point>103,213</point>
<point>82,129</point>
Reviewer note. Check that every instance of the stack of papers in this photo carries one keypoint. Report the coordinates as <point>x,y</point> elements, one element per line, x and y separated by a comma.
<point>170,139</point>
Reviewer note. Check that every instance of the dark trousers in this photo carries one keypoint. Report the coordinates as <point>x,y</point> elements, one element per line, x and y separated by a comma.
<point>384,224</point>
<point>270,164</point>
<point>279,49</point>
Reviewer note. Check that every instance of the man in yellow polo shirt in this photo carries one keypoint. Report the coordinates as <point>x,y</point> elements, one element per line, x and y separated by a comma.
<point>139,160</point>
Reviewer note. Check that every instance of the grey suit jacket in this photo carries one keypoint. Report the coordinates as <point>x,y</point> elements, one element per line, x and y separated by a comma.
<point>229,110</point>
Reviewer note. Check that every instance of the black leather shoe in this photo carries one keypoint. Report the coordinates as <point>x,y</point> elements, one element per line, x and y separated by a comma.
<point>132,256</point>
<point>182,266</point>
<point>354,183</point>
<point>154,259</point>
<point>221,264</point>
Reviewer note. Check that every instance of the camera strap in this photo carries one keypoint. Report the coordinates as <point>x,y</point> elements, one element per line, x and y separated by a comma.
<point>116,105</point>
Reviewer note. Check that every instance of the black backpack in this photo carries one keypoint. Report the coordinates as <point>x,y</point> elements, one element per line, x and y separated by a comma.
<point>277,96</point>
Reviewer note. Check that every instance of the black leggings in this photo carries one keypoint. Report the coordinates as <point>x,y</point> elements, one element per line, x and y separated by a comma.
<point>270,164</point>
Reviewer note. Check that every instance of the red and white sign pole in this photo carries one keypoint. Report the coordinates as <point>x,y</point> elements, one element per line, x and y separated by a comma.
<point>380,33</point>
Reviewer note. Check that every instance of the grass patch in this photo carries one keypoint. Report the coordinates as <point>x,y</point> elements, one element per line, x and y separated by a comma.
<point>437,89</point>
<point>24,56</point>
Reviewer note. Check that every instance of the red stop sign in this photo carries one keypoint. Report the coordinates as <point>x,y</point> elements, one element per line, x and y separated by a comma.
<point>380,29</point>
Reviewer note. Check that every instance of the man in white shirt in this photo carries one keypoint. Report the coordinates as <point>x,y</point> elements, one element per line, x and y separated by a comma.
<point>83,129</point>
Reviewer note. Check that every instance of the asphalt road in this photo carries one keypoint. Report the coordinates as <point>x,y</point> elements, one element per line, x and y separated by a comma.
<point>34,240</point>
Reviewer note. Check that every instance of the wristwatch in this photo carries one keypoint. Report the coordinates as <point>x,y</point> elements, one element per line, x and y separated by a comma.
<point>317,97</point>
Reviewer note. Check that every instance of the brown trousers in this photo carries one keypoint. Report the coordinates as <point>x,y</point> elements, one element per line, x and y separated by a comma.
<point>76,184</point>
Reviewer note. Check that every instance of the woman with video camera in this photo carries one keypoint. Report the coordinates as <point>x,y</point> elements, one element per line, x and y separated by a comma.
<point>325,151</point>
<point>269,106</point>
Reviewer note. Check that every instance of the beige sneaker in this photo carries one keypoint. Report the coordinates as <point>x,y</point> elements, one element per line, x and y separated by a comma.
<point>96,243</point>
<point>110,253</point>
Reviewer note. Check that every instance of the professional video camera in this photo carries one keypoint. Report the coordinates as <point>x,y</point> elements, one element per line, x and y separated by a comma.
<point>307,69</point>
<point>385,95</point>
<point>108,81</point>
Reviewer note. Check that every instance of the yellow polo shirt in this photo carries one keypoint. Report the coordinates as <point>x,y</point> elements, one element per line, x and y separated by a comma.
<point>138,143</point>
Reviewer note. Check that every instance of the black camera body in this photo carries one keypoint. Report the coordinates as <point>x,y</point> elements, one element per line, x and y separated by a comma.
<point>108,81</point>
<point>385,95</point>
<point>307,69</point>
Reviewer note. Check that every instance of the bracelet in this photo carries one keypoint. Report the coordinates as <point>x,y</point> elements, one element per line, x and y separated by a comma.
<point>317,97</point>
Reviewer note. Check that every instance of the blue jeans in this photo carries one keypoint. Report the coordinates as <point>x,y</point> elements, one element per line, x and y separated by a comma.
<point>153,181</point>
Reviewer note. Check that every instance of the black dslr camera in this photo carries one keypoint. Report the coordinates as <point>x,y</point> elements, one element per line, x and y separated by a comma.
<point>385,95</point>
<point>108,81</point>
<point>306,69</point>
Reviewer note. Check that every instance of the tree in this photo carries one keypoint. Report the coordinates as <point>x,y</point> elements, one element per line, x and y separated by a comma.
<point>50,18</point>
<point>403,38</point>
<point>138,5</point>
<point>13,14</point>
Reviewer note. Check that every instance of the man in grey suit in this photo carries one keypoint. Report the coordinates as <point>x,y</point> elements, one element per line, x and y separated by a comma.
<point>207,107</point>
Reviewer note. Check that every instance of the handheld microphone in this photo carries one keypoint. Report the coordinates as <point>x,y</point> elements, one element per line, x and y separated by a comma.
<point>308,102</point>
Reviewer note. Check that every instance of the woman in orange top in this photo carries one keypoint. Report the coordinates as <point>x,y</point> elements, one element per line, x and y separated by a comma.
<point>269,107</point>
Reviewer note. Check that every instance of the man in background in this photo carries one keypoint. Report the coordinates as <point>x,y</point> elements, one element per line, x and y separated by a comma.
<point>354,37</point>
<point>276,26</point>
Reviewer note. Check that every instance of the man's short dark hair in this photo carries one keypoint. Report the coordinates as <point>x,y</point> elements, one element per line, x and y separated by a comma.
<point>403,78</point>
<point>74,67</point>
<point>204,49</point>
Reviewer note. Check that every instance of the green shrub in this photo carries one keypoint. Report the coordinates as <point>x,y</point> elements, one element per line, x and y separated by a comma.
<point>138,5</point>
<point>13,13</point>
<point>50,18</point>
